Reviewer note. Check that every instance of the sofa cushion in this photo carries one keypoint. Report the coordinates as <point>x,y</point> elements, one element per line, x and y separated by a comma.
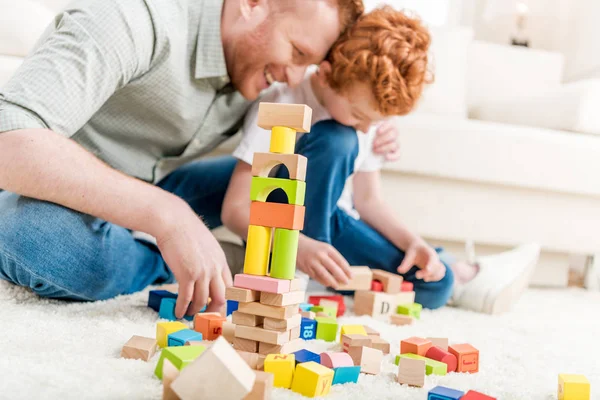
<point>21,24</point>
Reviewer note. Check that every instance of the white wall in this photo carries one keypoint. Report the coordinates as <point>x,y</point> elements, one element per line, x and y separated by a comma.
<point>433,12</point>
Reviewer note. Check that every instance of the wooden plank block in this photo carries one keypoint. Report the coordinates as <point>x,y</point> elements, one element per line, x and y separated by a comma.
<point>263,163</point>
<point>245,345</point>
<point>398,319</point>
<point>268,311</point>
<point>442,343</point>
<point>260,188</point>
<point>277,215</point>
<point>298,284</point>
<point>361,279</point>
<point>225,375</point>
<point>169,374</point>
<point>415,345</point>
<point>261,283</point>
<point>392,283</point>
<point>376,304</point>
<point>241,295</point>
<point>411,372</point>
<point>282,299</point>
<point>263,385</point>
<point>282,324</point>
<point>368,358</point>
<point>240,318</point>
<point>261,335</point>
<point>228,331</point>
<point>258,250</point>
<point>467,356</point>
<point>139,348</point>
<point>370,331</point>
<point>294,116</point>
<point>355,341</point>
<point>286,348</point>
<point>285,251</point>
<point>432,367</point>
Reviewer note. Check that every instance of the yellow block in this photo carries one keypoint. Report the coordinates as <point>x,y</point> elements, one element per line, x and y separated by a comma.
<point>258,248</point>
<point>282,368</point>
<point>283,140</point>
<point>312,379</point>
<point>353,330</point>
<point>164,329</point>
<point>573,387</point>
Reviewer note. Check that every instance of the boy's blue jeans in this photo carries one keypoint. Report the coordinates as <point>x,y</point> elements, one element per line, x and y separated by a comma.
<point>61,253</point>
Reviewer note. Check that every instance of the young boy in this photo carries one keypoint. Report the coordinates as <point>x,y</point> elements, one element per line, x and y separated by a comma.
<point>377,69</point>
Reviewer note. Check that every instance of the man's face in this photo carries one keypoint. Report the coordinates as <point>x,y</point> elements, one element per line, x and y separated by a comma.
<point>276,43</point>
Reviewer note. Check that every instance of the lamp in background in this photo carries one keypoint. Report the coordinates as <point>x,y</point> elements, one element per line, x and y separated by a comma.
<point>520,38</point>
<point>514,15</point>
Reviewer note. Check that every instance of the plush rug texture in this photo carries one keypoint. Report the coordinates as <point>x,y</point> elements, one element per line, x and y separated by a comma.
<point>58,350</point>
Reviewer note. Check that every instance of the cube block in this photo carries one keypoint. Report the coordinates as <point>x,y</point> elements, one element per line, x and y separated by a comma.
<point>156,296</point>
<point>304,355</point>
<point>415,345</point>
<point>432,367</point>
<point>361,279</point>
<point>573,387</point>
<point>210,326</point>
<point>308,329</point>
<point>179,338</point>
<point>312,379</point>
<point>467,357</point>
<point>346,375</point>
<point>444,393</point>
<point>412,310</point>
<point>473,395</point>
<point>326,329</point>
<point>163,329</point>
<point>411,372</point>
<point>139,348</point>
<point>179,356</point>
<point>282,367</point>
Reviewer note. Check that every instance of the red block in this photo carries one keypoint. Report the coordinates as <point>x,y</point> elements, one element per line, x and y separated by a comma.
<point>473,395</point>
<point>376,286</point>
<point>407,286</point>
<point>314,300</point>
<point>441,355</point>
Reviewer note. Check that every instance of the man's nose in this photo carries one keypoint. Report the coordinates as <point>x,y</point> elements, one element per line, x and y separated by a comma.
<point>295,74</point>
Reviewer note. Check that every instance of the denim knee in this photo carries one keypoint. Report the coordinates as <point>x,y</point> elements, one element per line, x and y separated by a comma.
<point>437,293</point>
<point>334,139</point>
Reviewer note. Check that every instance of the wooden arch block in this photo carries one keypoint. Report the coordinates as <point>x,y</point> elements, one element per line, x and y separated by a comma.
<point>263,163</point>
<point>295,116</point>
<point>276,215</point>
<point>262,187</point>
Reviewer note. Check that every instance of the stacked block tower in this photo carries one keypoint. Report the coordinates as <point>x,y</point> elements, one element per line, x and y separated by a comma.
<point>267,319</point>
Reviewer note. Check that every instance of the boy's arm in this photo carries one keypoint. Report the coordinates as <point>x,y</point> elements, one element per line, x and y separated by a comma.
<point>236,206</point>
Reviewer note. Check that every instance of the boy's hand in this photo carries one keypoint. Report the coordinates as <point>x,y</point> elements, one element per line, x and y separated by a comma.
<point>426,258</point>
<point>386,141</point>
<point>322,262</point>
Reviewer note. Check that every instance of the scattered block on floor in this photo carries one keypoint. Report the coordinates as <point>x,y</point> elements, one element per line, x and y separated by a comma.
<point>370,331</point>
<point>277,215</point>
<point>261,335</point>
<point>412,310</point>
<point>442,343</point>
<point>326,329</point>
<point>308,329</point>
<point>376,304</point>
<point>380,344</point>
<point>308,314</point>
<point>341,308</point>
<point>167,310</point>
<point>180,357</point>
<point>241,295</point>
<point>139,348</point>
<point>179,338</point>
<point>245,345</point>
<point>231,306</point>
<point>376,286</point>
<point>334,360</point>
<point>263,163</point>
<point>169,374</point>
<point>444,393</point>
<point>282,367</point>
<point>415,345</point>
<point>252,359</point>
<point>467,357</point>
<point>411,372</point>
<point>228,331</point>
<point>261,283</point>
<point>268,311</point>
<point>156,296</point>
<point>369,359</point>
<point>302,356</point>
<point>282,299</point>
<point>240,318</point>
<point>399,319</point>
<point>355,341</point>
<point>218,373</point>
<point>352,330</point>
<point>330,305</point>
<point>473,395</point>
<point>573,387</point>
<point>392,283</point>
<point>441,355</point>
<point>407,286</point>
<point>286,348</point>
<point>346,375</point>
<point>209,325</point>
<point>282,324</point>
<point>163,329</point>
<point>312,379</point>
<point>432,367</point>
<point>262,386</point>
<point>294,116</point>
<point>361,279</point>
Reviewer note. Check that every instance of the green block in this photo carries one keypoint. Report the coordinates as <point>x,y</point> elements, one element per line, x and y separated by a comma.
<point>285,249</point>
<point>432,367</point>
<point>327,329</point>
<point>414,310</point>
<point>180,356</point>
<point>261,187</point>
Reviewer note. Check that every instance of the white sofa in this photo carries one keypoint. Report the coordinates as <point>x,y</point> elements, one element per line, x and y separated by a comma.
<point>499,152</point>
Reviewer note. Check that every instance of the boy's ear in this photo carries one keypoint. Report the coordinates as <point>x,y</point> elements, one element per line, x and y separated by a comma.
<point>247,6</point>
<point>323,72</point>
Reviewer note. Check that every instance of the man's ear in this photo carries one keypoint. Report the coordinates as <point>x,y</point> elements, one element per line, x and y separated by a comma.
<point>247,6</point>
<point>323,72</point>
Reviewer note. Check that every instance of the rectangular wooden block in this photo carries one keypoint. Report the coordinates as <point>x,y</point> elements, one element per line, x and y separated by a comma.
<point>312,379</point>
<point>399,319</point>
<point>380,344</point>
<point>282,299</point>
<point>442,343</point>
<point>258,250</point>
<point>240,318</point>
<point>370,331</point>
<point>368,358</point>
<point>415,345</point>
<point>295,116</point>
<point>277,215</point>
<point>298,284</point>
<point>241,344</point>
<point>376,304</point>
<point>286,348</point>
<point>261,335</point>
<point>228,331</point>
<point>268,311</point>
<point>263,163</point>
<point>282,324</point>
<point>261,283</point>
<point>355,341</point>
<point>392,283</point>
<point>155,297</point>
<point>432,367</point>
<point>361,279</point>
<point>413,310</point>
<point>473,395</point>
<point>169,374</point>
<point>404,298</point>
<point>139,348</point>
<point>263,385</point>
<point>308,314</point>
<point>341,308</point>
<point>411,372</point>
<point>467,357</point>
<point>241,295</point>
<point>285,251</point>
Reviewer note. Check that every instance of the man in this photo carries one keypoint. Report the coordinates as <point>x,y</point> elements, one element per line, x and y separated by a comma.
<point>118,95</point>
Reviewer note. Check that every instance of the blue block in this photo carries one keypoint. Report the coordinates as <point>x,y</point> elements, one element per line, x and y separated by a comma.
<point>444,393</point>
<point>156,296</point>
<point>305,306</point>
<point>167,310</point>
<point>303,356</point>
<point>180,337</point>
<point>346,375</point>
<point>308,329</point>
<point>232,306</point>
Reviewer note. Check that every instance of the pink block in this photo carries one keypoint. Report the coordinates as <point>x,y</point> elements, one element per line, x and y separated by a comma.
<point>335,360</point>
<point>261,283</point>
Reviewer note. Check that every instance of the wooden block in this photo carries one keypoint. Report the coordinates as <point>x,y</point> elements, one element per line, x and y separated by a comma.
<point>444,393</point>
<point>392,283</point>
<point>282,324</point>
<point>167,309</point>
<point>282,367</point>
<point>432,367</point>
<point>415,345</point>
<point>242,344</point>
<point>294,116</point>
<point>297,284</point>
<point>376,286</point>
<point>251,358</point>
<point>312,379</point>
<point>473,395</point>
<point>378,305</point>
<point>361,279</point>
<point>442,343</point>
<point>368,358</point>
<point>163,329</point>
<point>240,318</point>
<point>404,298</point>
<point>283,140</point>
<point>277,215</point>
<point>228,331</point>
<point>261,335</point>
<point>370,331</point>
<point>242,295</point>
<point>333,360</point>
<point>467,357</point>
<point>341,308</point>
<point>285,250</point>
<point>263,385</point>
<point>398,319</point>
<point>352,330</point>
<point>169,374</point>
<point>139,348</point>
<point>205,343</point>
<point>268,311</point>
<point>304,355</point>
<point>327,311</point>
<point>282,299</point>
<point>326,329</point>
<point>260,189</point>
<point>156,296</point>
<point>441,355</point>
<point>346,375</point>
<point>380,344</point>
<point>573,387</point>
<point>261,283</point>
<point>225,375</point>
<point>179,338</point>
<point>308,314</point>
<point>295,333</point>
<point>231,306</point>
<point>355,340</point>
<point>180,357</point>
<point>308,329</point>
<point>330,304</point>
<point>322,314</point>
<point>263,164</point>
<point>411,372</point>
<point>407,286</point>
<point>258,250</point>
<point>210,326</point>
<point>412,310</point>
<point>287,348</point>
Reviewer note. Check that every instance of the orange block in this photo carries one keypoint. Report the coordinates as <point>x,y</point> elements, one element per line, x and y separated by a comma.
<point>210,326</point>
<point>415,345</point>
<point>275,215</point>
<point>467,356</point>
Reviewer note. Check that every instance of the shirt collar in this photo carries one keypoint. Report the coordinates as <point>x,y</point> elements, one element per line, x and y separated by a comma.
<point>210,58</point>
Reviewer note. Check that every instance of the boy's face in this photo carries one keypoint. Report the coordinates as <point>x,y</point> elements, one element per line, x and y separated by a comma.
<point>356,108</point>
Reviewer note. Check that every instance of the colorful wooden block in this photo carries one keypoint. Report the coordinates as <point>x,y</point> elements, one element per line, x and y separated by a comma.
<point>376,286</point>
<point>180,337</point>
<point>415,345</point>
<point>442,343</point>
<point>294,116</point>
<point>355,340</point>
<point>308,314</point>
<point>268,311</point>
<point>248,345</point>
<point>277,215</point>
<point>179,356</point>
<point>240,318</point>
<point>261,283</point>
<point>573,387</point>
<point>368,358</point>
<point>411,372</point>
<point>432,367</point>
<point>231,306</point>
<point>352,330</point>
<point>370,331</point>
<point>225,375</point>
<point>285,348</point>
<point>305,306</point>
<point>285,250</point>
<point>263,385</point>
<point>467,357</point>
<point>412,310</point>
<point>304,355</point>
<point>473,395</point>
<point>441,355</point>
<point>258,250</point>
<point>156,296</point>
<point>308,329</point>
<point>444,393</point>
<point>163,329</point>
<point>242,295</point>
<point>346,375</point>
<point>341,309</point>
<point>263,164</point>
<point>139,348</point>
<point>376,304</point>
<point>312,379</point>
<point>228,331</point>
<point>283,140</point>
<point>282,299</point>
<point>167,310</point>
<point>329,305</point>
<point>328,311</point>
<point>261,335</point>
<point>380,344</point>
<point>210,326</point>
<point>261,188</point>
<point>326,329</point>
<point>169,374</point>
<point>407,286</point>
<point>334,360</point>
<point>398,319</point>
<point>361,279</point>
<point>392,283</point>
<point>282,367</point>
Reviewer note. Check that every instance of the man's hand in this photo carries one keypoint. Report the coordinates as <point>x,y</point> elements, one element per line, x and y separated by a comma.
<point>322,262</point>
<point>386,141</point>
<point>196,259</point>
<point>423,256</point>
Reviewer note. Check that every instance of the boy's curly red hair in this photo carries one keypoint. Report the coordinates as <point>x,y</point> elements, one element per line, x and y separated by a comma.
<point>387,50</point>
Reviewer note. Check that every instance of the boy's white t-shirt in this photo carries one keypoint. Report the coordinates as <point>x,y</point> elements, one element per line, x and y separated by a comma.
<point>257,140</point>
